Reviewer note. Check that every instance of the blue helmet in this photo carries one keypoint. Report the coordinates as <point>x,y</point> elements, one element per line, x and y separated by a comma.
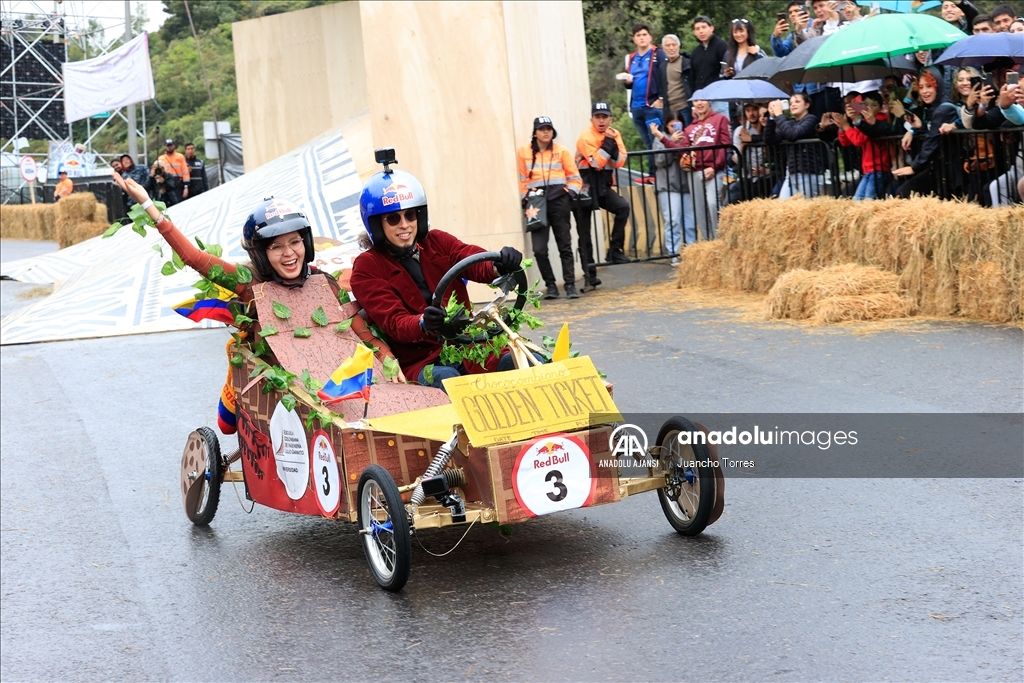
<point>388,191</point>
<point>270,219</point>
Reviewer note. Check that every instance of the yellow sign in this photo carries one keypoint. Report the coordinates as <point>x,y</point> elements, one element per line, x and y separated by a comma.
<point>433,424</point>
<point>502,407</point>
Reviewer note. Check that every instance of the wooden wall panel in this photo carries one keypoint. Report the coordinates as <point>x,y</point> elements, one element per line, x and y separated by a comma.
<point>439,95</point>
<point>299,74</point>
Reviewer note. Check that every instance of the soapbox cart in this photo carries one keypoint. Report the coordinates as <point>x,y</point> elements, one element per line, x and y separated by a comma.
<point>498,448</point>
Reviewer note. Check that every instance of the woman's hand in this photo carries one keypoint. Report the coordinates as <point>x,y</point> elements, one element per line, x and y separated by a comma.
<point>903,171</point>
<point>744,135</point>
<point>775,108</point>
<point>908,138</point>
<point>915,120</point>
<point>728,72</point>
<point>1006,95</point>
<point>399,378</point>
<point>972,97</point>
<point>677,136</point>
<point>709,172</point>
<point>988,94</point>
<point>653,127</point>
<point>131,188</point>
<point>896,108</point>
<point>947,128</point>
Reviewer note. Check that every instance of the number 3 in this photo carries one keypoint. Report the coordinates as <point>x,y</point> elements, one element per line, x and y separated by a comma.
<point>327,482</point>
<point>562,490</point>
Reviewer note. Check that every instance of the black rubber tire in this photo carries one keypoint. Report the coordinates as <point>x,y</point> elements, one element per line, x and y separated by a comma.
<point>695,522</point>
<point>393,578</point>
<point>214,475</point>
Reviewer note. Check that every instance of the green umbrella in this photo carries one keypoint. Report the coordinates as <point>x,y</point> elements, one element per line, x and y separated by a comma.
<point>884,36</point>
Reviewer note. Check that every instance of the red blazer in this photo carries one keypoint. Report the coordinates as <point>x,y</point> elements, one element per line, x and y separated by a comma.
<point>390,297</point>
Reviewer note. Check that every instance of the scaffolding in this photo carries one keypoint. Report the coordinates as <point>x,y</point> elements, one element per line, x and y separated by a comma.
<point>36,37</point>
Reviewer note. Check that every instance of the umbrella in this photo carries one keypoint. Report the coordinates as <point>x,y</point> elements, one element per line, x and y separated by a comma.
<point>884,36</point>
<point>794,67</point>
<point>983,48</point>
<point>763,68</point>
<point>732,89</point>
<point>904,6</point>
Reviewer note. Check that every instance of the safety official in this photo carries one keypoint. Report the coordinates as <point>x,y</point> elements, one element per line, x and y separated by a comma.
<point>599,152</point>
<point>176,174</point>
<point>197,183</point>
<point>548,169</point>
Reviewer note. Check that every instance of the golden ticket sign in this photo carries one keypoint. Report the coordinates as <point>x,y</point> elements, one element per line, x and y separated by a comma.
<point>502,407</point>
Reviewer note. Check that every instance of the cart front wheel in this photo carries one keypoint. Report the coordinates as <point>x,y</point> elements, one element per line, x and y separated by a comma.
<point>384,527</point>
<point>201,473</point>
<point>689,492</point>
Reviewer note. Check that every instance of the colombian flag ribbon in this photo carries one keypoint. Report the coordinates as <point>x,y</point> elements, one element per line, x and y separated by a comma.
<point>351,379</point>
<point>214,308</point>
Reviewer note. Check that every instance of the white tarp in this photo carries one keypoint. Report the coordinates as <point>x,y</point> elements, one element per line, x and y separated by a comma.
<point>110,287</point>
<point>117,79</point>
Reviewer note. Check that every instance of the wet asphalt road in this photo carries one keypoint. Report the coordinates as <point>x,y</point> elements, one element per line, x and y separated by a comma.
<point>103,578</point>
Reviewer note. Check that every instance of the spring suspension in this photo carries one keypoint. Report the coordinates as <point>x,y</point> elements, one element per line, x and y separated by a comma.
<point>455,478</point>
<point>444,454</point>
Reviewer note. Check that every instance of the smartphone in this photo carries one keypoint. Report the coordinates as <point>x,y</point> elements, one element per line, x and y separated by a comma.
<point>988,81</point>
<point>1013,78</point>
<point>780,16</point>
<point>976,81</point>
<point>858,107</point>
<point>724,64</point>
<point>677,127</point>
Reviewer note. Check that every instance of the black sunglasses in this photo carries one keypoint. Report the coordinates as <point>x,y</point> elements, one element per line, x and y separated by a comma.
<point>394,218</point>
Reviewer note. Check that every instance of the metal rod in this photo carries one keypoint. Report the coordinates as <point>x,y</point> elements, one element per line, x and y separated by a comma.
<point>133,133</point>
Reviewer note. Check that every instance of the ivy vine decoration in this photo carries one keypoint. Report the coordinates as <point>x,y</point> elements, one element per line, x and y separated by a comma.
<point>480,352</point>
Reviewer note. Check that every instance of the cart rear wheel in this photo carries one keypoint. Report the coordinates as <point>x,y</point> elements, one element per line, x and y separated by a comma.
<point>689,492</point>
<point>384,527</point>
<point>201,473</point>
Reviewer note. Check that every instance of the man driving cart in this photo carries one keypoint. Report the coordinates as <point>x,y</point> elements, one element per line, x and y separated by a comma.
<point>403,262</point>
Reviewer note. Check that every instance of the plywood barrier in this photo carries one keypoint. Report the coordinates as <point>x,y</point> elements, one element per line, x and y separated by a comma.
<point>951,258</point>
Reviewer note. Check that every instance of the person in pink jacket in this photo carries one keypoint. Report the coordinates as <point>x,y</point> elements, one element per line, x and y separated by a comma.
<point>706,168</point>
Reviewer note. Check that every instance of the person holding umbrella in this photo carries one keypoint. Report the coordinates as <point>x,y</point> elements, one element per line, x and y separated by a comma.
<point>919,177</point>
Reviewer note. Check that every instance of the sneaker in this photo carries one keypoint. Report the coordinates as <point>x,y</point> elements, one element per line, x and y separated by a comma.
<point>552,292</point>
<point>570,292</point>
<point>674,262</point>
<point>616,256</point>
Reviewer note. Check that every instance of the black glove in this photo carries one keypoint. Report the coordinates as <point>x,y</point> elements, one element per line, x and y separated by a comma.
<point>433,319</point>
<point>611,146</point>
<point>509,261</point>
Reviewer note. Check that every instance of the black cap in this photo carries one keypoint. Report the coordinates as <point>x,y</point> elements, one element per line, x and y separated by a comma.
<point>542,121</point>
<point>601,108</point>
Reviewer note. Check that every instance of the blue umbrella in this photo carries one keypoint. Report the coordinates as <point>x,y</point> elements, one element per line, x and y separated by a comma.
<point>739,90</point>
<point>902,6</point>
<point>984,48</point>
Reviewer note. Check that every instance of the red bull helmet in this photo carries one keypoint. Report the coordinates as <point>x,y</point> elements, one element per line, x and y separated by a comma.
<point>271,218</point>
<point>387,191</point>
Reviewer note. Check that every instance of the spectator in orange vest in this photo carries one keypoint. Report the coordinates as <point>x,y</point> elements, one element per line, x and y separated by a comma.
<point>64,187</point>
<point>546,168</point>
<point>176,174</point>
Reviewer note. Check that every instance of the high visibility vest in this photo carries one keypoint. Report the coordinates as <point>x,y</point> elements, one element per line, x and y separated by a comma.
<point>553,166</point>
<point>590,155</point>
<point>175,165</point>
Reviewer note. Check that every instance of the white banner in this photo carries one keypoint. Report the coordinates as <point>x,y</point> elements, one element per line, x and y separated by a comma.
<point>118,78</point>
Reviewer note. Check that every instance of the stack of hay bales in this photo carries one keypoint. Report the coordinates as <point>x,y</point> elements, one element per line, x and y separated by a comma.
<point>836,293</point>
<point>78,217</point>
<point>27,221</point>
<point>951,258</point>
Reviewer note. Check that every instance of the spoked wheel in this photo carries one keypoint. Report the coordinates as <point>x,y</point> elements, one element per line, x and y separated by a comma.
<point>384,527</point>
<point>202,471</point>
<point>689,492</point>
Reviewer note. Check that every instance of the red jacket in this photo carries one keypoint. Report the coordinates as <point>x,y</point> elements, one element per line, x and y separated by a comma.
<point>875,156</point>
<point>713,130</point>
<point>390,297</point>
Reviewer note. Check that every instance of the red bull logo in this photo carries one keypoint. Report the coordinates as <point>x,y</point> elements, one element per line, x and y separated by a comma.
<point>279,208</point>
<point>396,193</point>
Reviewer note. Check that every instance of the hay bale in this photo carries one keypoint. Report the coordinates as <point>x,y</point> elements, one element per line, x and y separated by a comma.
<point>100,214</point>
<point>84,231</point>
<point>837,309</point>
<point>799,293</point>
<point>73,211</point>
<point>700,265</point>
<point>984,292</point>
<point>27,222</point>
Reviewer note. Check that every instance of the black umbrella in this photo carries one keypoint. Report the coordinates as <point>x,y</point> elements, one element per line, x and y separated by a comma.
<point>763,68</point>
<point>794,67</point>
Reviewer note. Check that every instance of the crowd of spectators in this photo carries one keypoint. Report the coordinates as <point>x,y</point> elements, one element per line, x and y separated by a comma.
<point>172,178</point>
<point>909,133</point>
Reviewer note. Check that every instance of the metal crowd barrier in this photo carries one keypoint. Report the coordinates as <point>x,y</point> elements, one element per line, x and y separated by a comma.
<point>981,166</point>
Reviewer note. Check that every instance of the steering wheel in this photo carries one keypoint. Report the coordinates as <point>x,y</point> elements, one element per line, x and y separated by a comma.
<point>516,281</point>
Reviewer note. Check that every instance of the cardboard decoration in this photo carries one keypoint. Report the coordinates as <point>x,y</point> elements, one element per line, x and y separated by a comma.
<point>503,407</point>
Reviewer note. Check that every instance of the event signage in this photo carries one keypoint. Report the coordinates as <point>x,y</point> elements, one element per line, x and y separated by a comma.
<point>27,166</point>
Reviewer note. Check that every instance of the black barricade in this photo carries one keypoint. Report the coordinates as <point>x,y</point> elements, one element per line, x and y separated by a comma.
<point>665,214</point>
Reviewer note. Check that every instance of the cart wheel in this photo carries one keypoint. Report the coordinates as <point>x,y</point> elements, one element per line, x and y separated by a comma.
<point>689,492</point>
<point>384,526</point>
<point>201,474</point>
